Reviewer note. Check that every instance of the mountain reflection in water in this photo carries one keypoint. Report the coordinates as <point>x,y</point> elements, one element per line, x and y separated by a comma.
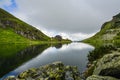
<point>74,54</point>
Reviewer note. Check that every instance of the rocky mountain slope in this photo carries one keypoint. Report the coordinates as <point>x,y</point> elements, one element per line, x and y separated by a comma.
<point>105,58</point>
<point>16,28</point>
<point>110,32</point>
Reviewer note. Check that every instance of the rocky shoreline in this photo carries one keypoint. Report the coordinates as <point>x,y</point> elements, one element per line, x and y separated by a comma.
<point>53,71</point>
<point>105,68</point>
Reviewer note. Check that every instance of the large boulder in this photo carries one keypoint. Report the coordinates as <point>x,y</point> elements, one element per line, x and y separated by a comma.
<point>96,77</point>
<point>108,65</point>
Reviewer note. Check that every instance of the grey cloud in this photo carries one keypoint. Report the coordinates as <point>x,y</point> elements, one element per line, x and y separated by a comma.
<point>85,16</point>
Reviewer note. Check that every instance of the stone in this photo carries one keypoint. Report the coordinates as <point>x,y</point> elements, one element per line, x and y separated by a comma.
<point>11,78</point>
<point>23,75</point>
<point>96,77</point>
<point>54,71</point>
<point>108,65</point>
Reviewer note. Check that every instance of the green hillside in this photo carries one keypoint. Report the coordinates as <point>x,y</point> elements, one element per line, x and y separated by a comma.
<point>8,35</point>
<point>13,30</point>
<point>109,33</point>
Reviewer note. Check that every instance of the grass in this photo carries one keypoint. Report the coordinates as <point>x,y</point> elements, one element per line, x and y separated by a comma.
<point>8,35</point>
<point>14,30</point>
<point>97,40</point>
<point>9,21</point>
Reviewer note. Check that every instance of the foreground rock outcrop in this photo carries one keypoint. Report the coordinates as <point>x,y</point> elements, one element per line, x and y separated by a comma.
<point>109,65</point>
<point>96,77</point>
<point>107,68</point>
<point>54,71</point>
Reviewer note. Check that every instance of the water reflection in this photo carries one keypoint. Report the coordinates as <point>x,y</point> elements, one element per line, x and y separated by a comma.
<point>70,54</point>
<point>13,55</point>
<point>73,54</point>
<point>58,46</point>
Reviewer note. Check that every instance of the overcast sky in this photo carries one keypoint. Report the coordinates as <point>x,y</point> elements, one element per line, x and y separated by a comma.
<point>74,19</point>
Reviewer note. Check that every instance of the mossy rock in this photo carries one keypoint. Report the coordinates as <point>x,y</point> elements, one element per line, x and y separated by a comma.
<point>96,77</point>
<point>54,71</point>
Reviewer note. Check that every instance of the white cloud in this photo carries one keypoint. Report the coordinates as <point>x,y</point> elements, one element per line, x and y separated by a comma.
<point>80,36</point>
<point>71,36</point>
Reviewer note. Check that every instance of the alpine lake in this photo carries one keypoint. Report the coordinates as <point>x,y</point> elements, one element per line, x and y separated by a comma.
<point>16,58</point>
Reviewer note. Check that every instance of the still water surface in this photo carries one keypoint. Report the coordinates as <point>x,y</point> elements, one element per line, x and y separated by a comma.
<point>74,54</point>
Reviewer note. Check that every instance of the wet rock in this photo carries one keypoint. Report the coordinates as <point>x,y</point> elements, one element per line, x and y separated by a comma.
<point>95,77</point>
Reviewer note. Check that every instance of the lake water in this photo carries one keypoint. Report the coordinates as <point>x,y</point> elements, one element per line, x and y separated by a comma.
<point>74,54</point>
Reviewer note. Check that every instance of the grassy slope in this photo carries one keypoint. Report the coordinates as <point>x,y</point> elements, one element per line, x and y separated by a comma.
<point>18,25</point>
<point>109,33</point>
<point>13,32</point>
<point>7,35</point>
<point>97,38</point>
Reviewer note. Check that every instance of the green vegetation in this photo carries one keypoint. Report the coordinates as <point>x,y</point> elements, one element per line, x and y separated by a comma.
<point>13,30</point>
<point>106,40</point>
<point>109,33</point>
<point>16,27</point>
<point>7,35</point>
<point>97,40</point>
<point>107,43</point>
<point>99,52</point>
<point>19,42</point>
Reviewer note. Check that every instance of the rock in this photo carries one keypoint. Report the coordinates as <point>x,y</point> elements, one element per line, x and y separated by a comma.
<point>11,78</point>
<point>108,65</point>
<point>89,71</point>
<point>95,77</point>
<point>54,71</point>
